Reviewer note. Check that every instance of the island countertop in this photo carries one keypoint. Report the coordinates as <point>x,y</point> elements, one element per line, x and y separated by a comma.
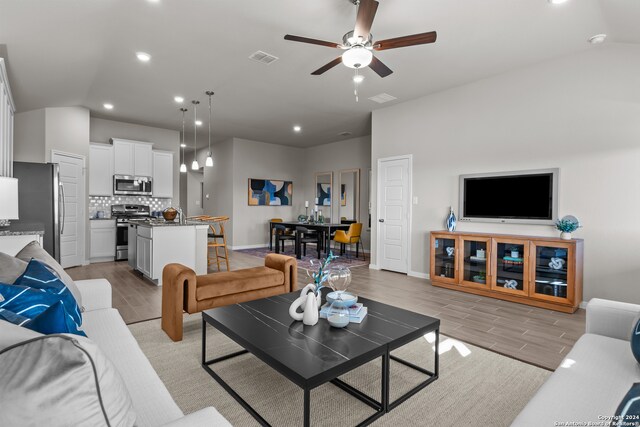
<point>18,228</point>
<point>153,223</point>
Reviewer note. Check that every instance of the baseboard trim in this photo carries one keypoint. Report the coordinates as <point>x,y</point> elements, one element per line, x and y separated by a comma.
<point>374,267</point>
<point>583,304</point>
<point>241,247</point>
<point>100,259</point>
<point>418,274</point>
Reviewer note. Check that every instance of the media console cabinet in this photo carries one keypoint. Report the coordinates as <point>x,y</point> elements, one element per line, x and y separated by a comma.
<point>539,271</point>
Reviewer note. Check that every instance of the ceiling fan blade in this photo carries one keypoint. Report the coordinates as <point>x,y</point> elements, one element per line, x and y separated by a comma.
<point>379,67</point>
<point>327,67</point>
<point>366,12</point>
<point>406,41</point>
<point>310,41</point>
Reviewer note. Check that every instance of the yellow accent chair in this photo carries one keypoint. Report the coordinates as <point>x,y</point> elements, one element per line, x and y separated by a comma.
<point>351,237</point>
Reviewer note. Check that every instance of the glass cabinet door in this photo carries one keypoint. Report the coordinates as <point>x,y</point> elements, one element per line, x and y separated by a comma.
<point>475,261</point>
<point>511,266</point>
<point>444,250</point>
<point>552,273</point>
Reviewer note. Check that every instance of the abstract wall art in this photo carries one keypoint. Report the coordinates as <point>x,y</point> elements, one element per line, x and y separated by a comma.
<point>270,192</point>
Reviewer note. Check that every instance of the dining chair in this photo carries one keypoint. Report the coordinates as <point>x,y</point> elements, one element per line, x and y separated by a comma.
<point>350,237</point>
<point>282,236</point>
<point>304,236</point>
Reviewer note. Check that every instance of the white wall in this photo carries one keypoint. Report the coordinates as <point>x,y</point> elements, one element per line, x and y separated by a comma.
<point>163,139</point>
<point>253,159</point>
<point>29,137</point>
<point>579,113</point>
<point>193,203</point>
<point>352,153</point>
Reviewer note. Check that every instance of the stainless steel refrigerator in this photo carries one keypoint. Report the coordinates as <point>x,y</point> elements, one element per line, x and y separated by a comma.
<point>39,200</point>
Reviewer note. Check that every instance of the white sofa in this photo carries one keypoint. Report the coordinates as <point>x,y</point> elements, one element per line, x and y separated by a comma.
<point>596,374</point>
<point>151,400</point>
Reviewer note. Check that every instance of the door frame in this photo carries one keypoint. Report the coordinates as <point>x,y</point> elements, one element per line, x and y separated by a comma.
<point>408,157</point>
<point>82,217</point>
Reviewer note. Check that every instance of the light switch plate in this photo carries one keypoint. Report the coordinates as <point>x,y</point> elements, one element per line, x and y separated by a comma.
<point>415,200</point>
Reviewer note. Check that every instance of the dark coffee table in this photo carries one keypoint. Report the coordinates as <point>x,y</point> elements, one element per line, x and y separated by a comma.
<point>310,356</point>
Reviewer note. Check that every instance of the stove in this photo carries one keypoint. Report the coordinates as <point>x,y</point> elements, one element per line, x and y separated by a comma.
<point>122,214</point>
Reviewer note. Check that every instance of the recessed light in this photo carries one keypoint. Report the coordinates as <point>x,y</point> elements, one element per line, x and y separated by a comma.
<point>143,57</point>
<point>153,1</point>
<point>178,99</point>
<point>297,128</point>
<point>358,78</point>
<point>557,1</point>
<point>108,106</point>
<point>598,38</point>
<point>198,122</point>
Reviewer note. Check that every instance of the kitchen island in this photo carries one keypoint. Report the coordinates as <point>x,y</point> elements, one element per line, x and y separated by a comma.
<point>154,244</point>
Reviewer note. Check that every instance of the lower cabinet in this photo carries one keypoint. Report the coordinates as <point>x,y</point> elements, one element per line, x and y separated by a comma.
<point>144,255</point>
<point>539,271</point>
<point>103,240</point>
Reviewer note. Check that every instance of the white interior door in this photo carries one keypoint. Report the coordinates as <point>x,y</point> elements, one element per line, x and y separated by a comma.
<point>72,225</point>
<point>394,192</point>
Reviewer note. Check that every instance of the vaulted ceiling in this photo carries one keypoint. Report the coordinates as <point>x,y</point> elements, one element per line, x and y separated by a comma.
<point>82,53</point>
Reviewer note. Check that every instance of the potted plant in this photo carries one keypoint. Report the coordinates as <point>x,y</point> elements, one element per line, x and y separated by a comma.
<point>567,225</point>
<point>481,278</point>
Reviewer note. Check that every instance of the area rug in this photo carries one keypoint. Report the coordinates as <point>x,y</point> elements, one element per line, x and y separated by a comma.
<point>476,386</point>
<point>308,262</point>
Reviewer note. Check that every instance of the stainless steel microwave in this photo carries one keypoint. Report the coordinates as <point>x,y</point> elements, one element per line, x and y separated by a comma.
<point>133,185</point>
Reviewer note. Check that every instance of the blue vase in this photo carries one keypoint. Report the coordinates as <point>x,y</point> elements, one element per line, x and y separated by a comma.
<point>451,220</point>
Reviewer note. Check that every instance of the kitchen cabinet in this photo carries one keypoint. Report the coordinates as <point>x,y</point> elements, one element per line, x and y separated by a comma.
<point>132,158</point>
<point>162,174</point>
<point>103,240</point>
<point>144,255</point>
<point>101,170</point>
<point>132,240</point>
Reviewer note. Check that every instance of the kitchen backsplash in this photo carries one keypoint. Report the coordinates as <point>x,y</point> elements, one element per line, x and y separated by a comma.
<point>103,203</point>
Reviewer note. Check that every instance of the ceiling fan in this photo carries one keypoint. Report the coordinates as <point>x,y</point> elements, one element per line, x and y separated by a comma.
<point>358,44</point>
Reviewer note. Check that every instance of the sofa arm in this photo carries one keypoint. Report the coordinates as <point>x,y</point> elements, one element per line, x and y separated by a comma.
<point>96,294</point>
<point>208,417</point>
<point>288,265</point>
<point>611,318</point>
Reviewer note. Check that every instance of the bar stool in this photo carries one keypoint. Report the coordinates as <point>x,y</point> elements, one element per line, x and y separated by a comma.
<point>213,236</point>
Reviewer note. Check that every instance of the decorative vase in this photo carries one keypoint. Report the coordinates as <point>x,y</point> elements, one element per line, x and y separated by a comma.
<point>302,302</point>
<point>565,236</point>
<point>310,316</point>
<point>451,220</point>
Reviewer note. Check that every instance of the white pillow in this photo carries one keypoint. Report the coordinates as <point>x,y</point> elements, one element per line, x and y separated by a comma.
<point>11,334</point>
<point>61,380</point>
<point>10,268</point>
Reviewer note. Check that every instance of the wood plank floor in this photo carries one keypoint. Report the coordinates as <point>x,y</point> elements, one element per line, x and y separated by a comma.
<point>534,335</point>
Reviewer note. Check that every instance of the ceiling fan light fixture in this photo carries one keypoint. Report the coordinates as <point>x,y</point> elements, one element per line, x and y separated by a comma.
<point>357,57</point>
<point>358,78</point>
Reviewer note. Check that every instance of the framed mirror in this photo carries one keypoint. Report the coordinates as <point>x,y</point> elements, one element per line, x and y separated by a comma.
<point>349,197</point>
<point>324,182</point>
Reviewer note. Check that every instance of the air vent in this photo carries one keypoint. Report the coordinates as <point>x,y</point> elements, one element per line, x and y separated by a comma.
<point>345,134</point>
<point>382,98</point>
<point>263,57</point>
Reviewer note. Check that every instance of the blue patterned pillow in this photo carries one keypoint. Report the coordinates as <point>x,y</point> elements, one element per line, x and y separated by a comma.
<point>635,340</point>
<point>40,276</point>
<point>28,302</point>
<point>53,320</point>
<point>629,409</point>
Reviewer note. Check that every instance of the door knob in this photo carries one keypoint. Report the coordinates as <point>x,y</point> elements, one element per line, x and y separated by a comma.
<point>381,220</point>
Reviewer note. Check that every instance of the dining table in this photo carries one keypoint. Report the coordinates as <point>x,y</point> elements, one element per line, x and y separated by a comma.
<point>326,230</point>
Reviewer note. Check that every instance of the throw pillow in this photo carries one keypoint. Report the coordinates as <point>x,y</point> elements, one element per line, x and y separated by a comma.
<point>68,379</point>
<point>39,276</point>
<point>635,340</point>
<point>10,268</point>
<point>34,250</point>
<point>53,320</point>
<point>11,334</point>
<point>30,303</point>
<point>629,409</point>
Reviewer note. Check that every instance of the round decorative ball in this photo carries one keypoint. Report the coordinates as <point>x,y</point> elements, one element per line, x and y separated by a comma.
<point>635,340</point>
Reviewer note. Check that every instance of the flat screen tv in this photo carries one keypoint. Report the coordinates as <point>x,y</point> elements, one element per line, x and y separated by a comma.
<point>525,197</point>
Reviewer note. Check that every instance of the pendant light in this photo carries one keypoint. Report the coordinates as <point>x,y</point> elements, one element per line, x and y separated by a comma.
<point>195,166</point>
<point>209,161</point>
<point>183,167</point>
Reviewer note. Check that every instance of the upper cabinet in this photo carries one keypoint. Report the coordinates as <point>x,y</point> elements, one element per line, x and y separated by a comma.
<point>101,170</point>
<point>162,174</point>
<point>7,110</point>
<point>132,158</point>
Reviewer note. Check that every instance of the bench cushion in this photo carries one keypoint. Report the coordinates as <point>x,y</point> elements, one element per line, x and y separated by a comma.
<point>235,282</point>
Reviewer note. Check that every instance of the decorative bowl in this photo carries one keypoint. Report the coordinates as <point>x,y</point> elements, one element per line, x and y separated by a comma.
<point>347,299</point>
<point>170,214</point>
<point>338,321</point>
